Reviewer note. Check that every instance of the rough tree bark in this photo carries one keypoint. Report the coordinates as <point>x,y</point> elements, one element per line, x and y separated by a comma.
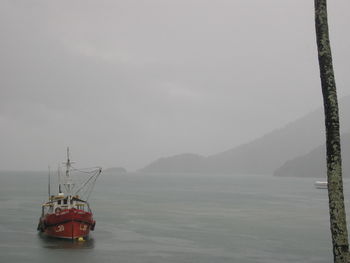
<point>334,167</point>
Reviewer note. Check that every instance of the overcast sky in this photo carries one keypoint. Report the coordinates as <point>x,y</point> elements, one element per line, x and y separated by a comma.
<point>124,82</point>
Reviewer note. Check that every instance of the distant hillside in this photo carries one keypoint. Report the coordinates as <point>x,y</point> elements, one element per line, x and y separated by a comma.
<point>183,163</point>
<point>115,170</point>
<point>313,164</point>
<point>263,155</point>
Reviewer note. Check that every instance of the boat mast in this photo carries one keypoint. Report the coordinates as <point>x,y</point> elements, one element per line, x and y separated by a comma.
<point>67,163</point>
<point>68,181</point>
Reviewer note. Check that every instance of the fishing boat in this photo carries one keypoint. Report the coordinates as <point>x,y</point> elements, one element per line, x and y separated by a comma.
<point>67,214</point>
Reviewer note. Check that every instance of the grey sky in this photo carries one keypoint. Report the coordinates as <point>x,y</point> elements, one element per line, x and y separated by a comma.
<point>125,82</point>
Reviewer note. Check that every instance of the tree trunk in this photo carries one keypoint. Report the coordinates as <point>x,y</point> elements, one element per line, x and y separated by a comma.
<point>334,166</point>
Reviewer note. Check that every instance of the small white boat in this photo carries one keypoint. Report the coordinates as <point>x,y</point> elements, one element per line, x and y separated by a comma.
<point>321,184</point>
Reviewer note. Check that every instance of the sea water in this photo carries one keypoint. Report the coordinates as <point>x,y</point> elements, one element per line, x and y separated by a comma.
<point>159,218</point>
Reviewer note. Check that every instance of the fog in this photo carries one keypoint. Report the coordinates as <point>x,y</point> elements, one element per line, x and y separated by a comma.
<point>125,82</point>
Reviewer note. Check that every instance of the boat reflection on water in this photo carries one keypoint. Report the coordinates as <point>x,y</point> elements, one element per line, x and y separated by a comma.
<point>59,243</point>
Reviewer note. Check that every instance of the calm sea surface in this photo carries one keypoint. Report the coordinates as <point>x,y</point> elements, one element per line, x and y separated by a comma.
<point>175,218</point>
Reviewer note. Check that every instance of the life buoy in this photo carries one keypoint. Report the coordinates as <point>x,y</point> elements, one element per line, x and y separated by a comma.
<point>57,210</point>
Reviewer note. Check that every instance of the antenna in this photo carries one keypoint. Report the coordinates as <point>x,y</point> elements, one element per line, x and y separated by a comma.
<point>49,183</point>
<point>59,179</point>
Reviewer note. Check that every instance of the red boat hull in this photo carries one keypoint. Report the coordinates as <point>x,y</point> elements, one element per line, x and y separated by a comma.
<point>70,223</point>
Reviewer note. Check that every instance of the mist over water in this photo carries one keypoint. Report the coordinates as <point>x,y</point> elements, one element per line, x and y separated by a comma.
<point>124,83</point>
<point>175,218</point>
